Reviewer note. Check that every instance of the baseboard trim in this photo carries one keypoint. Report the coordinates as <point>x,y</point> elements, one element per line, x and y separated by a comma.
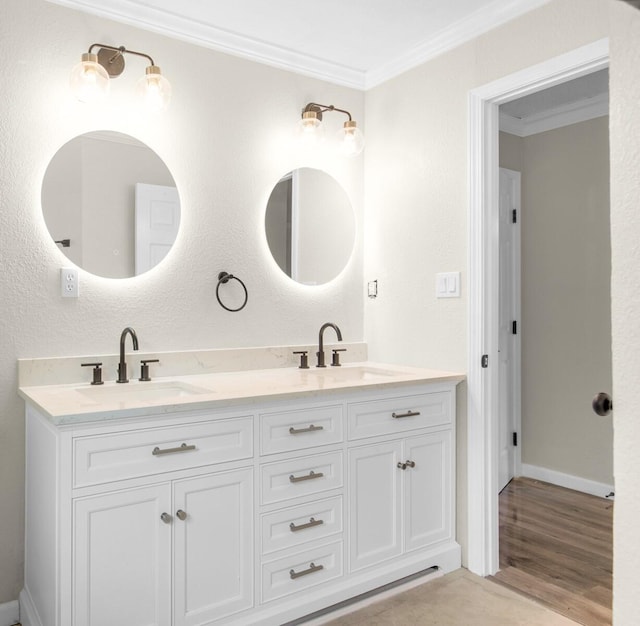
<point>9,613</point>
<point>28,614</point>
<point>566,480</point>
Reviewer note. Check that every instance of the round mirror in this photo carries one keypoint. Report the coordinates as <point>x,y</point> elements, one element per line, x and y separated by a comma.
<point>110,204</point>
<point>310,226</point>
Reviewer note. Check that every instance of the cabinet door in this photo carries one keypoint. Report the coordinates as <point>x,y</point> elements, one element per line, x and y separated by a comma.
<point>427,486</point>
<point>375,504</point>
<point>213,550</point>
<point>122,558</point>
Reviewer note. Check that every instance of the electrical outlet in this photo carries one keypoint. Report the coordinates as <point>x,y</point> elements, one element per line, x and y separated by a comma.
<point>69,286</point>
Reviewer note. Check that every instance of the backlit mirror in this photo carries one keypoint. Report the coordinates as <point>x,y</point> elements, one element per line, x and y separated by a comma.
<point>110,204</point>
<point>310,226</point>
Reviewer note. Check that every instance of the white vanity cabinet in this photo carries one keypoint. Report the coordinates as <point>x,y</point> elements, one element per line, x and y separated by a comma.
<point>123,556</point>
<point>400,486</point>
<point>400,497</point>
<point>254,512</point>
<point>144,522</point>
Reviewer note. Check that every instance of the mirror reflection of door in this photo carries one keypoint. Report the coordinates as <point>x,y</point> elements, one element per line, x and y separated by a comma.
<point>157,216</point>
<point>278,226</point>
<point>310,226</point>
<point>88,197</point>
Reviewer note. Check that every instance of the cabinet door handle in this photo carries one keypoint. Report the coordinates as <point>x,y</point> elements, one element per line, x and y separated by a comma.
<point>183,448</point>
<point>309,429</point>
<point>166,518</point>
<point>407,414</point>
<point>312,568</point>
<point>181,515</point>
<point>312,522</point>
<point>402,466</point>
<point>410,463</point>
<point>310,476</point>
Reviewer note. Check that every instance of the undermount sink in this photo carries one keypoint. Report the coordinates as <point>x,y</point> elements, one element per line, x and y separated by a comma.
<point>145,391</point>
<point>358,372</point>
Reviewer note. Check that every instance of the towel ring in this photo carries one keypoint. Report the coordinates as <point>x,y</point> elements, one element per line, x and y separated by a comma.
<point>223,278</point>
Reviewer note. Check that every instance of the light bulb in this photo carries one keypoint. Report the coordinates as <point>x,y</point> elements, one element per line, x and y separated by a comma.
<point>155,89</point>
<point>351,139</point>
<point>89,81</point>
<point>310,130</point>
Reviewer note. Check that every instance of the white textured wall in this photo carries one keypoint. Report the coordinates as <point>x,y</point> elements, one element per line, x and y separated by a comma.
<point>225,139</point>
<point>566,311</point>
<point>416,195</point>
<point>624,141</point>
<point>416,192</point>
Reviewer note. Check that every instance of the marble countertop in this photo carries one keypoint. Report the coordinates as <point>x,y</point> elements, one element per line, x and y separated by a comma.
<point>82,402</point>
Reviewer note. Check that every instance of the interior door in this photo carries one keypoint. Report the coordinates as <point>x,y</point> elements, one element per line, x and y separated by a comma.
<point>509,320</point>
<point>157,221</point>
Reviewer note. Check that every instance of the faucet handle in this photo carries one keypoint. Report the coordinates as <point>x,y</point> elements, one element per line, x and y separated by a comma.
<point>144,368</point>
<point>335,359</point>
<point>304,359</point>
<point>97,372</point>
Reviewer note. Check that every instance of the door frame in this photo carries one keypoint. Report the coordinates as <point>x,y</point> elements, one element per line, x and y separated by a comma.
<point>482,383</point>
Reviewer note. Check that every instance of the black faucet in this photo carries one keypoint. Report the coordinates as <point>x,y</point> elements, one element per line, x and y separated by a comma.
<point>122,366</point>
<point>320,352</point>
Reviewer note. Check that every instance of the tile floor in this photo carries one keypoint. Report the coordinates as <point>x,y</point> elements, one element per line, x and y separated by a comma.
<point>456,599</point>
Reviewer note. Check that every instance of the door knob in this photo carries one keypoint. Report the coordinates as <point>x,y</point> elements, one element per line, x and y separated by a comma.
<point>181,515</point>
<point>166,518</point>
<point>602,404</point>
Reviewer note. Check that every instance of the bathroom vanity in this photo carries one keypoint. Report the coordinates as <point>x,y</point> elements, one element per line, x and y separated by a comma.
<point>252,497</point>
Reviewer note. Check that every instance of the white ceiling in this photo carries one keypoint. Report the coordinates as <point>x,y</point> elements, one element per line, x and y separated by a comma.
<point>573,101</point>
<point>357,43</point>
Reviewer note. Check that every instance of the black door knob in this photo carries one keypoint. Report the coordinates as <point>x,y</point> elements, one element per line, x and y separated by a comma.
<point>602,404</point>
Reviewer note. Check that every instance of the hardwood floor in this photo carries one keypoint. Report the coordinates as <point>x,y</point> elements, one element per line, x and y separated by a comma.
<point>556,547</point>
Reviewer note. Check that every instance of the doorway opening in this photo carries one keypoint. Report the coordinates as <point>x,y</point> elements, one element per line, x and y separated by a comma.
<point>484,282</point>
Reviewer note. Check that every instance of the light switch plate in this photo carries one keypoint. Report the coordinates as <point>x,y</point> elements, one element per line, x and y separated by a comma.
<point>448,285</point>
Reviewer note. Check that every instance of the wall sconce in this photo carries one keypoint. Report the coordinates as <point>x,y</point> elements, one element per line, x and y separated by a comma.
<point>90,78</point>
<point>310,129</point>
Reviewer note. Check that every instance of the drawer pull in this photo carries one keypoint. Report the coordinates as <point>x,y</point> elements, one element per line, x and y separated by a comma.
<point>310,476</point>
<point>312,522</point>
<point>407,414</point>
<point>312,568</point>
<point>309,429</point>
<point>183,448</point>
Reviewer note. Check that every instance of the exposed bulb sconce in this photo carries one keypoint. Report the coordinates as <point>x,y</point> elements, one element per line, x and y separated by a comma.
<point>90,78</point>
<point>310,129</point>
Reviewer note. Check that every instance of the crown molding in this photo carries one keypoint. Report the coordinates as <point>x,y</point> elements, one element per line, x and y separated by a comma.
<point>178,26</point>
<point>558,117</point>
<point>192,31</point>
<point>474,25</point>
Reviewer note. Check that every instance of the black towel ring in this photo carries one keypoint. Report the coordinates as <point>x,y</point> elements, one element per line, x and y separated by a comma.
<point>223,278</point>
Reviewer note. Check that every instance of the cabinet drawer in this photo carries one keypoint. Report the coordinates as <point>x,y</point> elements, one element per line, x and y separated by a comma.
<point>301,477</point>
<point>398,415</point>
<point>301,571</point>
<point>304,428</point>
<point>299,525</point>
<point>111,457</point>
